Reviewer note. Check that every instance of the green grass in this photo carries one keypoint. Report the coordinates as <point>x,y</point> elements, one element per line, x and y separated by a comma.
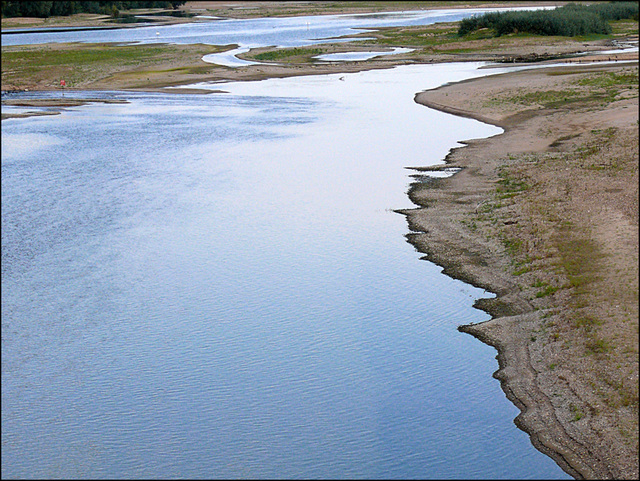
<point>590,88</point>
<point>81,63</point>
<point>577,412</point>
<point>598,346</point>
<point>521,270</point>
<point>587,323</point>
<point>546,98</point>
<point>610,79</point>
<point>547,289</point>
<point>624,27</point>
<point>510,185</point>
<point>424,37</point>
<point>283,53</point>
<point>513,245</point>
<point>578,259</point>
<point>43,58</point>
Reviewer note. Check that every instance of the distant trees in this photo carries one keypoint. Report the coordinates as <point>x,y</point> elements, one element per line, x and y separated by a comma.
<point>63,8</point>
<point>570,20</point>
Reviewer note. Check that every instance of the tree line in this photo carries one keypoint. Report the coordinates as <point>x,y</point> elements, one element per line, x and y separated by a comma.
<point>571,20</point>
<point>63,8</point>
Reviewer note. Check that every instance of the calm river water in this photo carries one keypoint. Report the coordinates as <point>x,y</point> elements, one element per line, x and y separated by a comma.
<point>216,286</point>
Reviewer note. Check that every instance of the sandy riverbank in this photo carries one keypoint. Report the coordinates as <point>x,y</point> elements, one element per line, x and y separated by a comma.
<point>546,216</point>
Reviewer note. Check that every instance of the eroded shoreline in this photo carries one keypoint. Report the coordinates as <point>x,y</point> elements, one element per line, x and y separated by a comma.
<point>549,362</point>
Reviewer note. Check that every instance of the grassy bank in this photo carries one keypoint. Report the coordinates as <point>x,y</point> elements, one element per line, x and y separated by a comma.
<point>100,65</point>
<point>557,249</point>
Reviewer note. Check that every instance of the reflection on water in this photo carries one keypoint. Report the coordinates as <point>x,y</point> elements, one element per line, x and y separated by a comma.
<point>217,286</point>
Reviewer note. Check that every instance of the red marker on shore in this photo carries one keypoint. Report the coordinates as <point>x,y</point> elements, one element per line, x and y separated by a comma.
<point>63,83</point>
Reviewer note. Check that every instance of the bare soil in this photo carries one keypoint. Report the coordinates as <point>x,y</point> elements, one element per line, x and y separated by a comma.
<point>546,216</point>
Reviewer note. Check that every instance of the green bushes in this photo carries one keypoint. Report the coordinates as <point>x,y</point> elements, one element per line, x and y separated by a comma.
<point>571,20</point>
<point>616,10</point>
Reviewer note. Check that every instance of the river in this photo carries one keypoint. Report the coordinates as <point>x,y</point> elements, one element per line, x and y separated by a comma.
<point>217,286</point>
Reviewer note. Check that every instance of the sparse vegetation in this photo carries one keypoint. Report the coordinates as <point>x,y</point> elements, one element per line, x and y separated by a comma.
<point>577,412</point>
<point>84,64</point>
<point>282,53</point>
<point>508,185</point>
<point>547,211</point>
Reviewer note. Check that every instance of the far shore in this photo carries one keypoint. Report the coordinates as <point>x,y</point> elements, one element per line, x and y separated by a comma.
<point>249,9</point>
<point>169,65</point>
<point>185,73</point>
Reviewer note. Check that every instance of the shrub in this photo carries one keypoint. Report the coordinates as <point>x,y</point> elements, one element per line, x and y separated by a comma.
<point>570,20</point>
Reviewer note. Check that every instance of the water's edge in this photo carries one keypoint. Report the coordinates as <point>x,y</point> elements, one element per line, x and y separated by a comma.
<point>506,331</point>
